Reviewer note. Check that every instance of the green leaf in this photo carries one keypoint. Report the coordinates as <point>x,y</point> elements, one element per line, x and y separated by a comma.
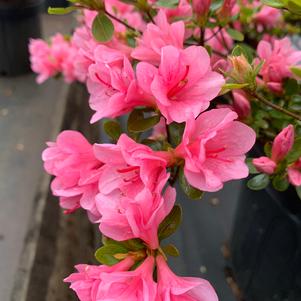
<point>294,6</point>
<point>155,145</point>
<point>192,192</point>
<point>273,3</point>
<point>296,71</point>
<point>171,223</point>
<point>259,182</point>
<point>245,50</point>
<point>102,28</point>
<point>280,183</point>
<point>105,254</point>
<point>112,129</point>
<point>232,86</point>
<point>61,10</point>
<point>291,87</point>
<point>137,122</point>
<point>171,250</point>
<point>176,131</point>
<point>298,190</point>
<point>130,245</point>
<point>268,149</point>
<point>235,34</point>
<point>168,3</point>
<point>252,168</point>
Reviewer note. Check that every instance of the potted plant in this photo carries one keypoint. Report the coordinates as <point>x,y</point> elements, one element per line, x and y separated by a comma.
<point>19,21</point>
<point>163,63</point>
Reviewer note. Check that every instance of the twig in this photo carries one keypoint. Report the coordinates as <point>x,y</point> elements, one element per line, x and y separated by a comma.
<point>121,22</point>
<point>213,35</point>
<point>274,106</point>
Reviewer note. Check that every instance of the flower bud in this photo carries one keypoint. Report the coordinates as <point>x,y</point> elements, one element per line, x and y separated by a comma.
<point>201,7</point>
<point>241,104</point>
<point>283,143</point>
<point>225,12</point>
<point>265,165</point>
<point>242,71</point>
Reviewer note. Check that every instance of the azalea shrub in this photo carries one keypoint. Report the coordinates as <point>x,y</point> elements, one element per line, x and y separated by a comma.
<point>199,83</point>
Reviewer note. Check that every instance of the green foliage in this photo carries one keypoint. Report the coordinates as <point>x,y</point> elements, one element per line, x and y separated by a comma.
<point>295,152</point>
<point>171,223</point>
<point>232,86</point>
<point>235,34</point>
<point>106,254</point>
<point>176,131</point>
<point>61,10</point>
<point>112,129</point>
<point>168,3</point>
<point>102,28</point>
<point>280,182</point>
<point>171,250</point>
<point>298,190</point>
<point>190,191</point>
<point>296,71</point>
<point>252,168</point>
<point>259,182</point>
<point>138,122</point>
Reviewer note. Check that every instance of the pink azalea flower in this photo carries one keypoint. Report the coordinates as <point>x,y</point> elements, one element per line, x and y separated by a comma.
<point>268,17</point>
<point>134,285</point>
<point>41,62</point>
<point>214,147</point>
<point>278,56</point>
<point>158,35</point>
<point>71,160</point>
<point>174,288</point>
<point>294,173</point>
<point>265,165</point>
<point>88,279</point>
<point>184,84</point>
<point>183,9</point>
<point>131,188</point>
<point>112,84</point>
<point>283,143</point>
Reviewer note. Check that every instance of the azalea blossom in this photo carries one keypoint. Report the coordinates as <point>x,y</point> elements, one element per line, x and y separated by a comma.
<point>294,173</point>
<point>71,160</point>
<point>279,56</point>
<point>134,285</point>
<point>214,147</point>
<point>174,288</point>
<point>132,191</point>
<point>87,280</point>
<point>112,84</point>
<point>184,83</point>
<point>156,36</point>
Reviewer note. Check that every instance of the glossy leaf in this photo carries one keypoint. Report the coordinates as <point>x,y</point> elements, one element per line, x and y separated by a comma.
<point>235,34</point>
<point>102,28</point>
<point>168,3</point>
<point>280,183</point>
<point>137,122</point>
<point>61,10</point>
<point>171,223</point>
<point>298,190</point>
<point>105,254</point>
<point>252,168</point>
<point>171,250</point>
<point>112,129</point>
<point>259,182</point>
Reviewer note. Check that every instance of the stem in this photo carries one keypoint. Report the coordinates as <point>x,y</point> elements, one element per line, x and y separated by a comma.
<point>213,35</point>
<point>202,36</point>
<point>150,16</point>
<point>274,106</point>
<point>122,22</point>
<point>173,179</point>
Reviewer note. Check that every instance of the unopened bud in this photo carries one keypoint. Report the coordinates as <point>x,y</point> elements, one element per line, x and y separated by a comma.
<point>225,12</point>
<point>201,8</point>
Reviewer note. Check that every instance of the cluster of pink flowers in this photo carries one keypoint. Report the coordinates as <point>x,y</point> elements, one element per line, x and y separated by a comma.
<point>282,145</point>
<point>127,188</point>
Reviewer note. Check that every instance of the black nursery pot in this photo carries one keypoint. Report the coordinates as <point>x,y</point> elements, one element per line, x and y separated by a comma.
<point>266,245</point>
<point>56,3</point>
<point>19,21</point>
